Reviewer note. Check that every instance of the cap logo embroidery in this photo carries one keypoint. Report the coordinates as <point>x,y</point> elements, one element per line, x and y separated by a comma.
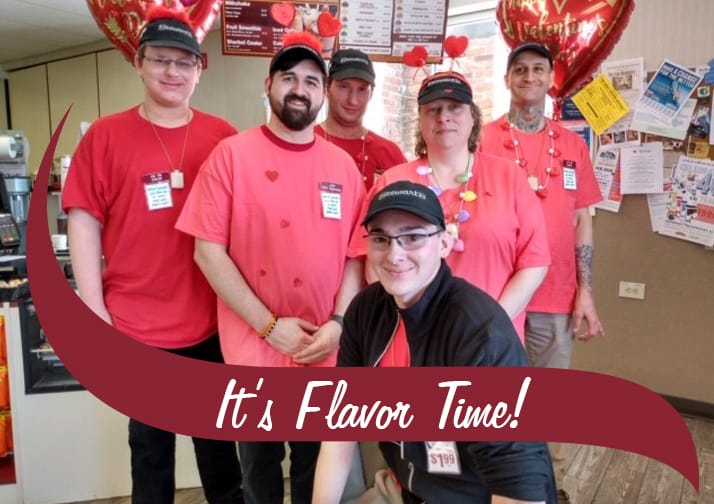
<point>163,27</point>
<point>403,192</point>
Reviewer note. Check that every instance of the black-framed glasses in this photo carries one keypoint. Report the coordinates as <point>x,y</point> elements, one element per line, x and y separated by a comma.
<point>183,64</point>
<point>408,241</point>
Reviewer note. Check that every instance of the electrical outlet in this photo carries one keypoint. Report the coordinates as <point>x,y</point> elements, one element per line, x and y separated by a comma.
<point>632,290</point>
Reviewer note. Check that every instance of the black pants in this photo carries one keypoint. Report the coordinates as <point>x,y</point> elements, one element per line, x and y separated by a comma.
<point>153,454</point>
<point>263,475</point>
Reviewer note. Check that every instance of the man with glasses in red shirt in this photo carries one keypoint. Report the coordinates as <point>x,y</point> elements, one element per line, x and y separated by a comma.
<point>129,178</point>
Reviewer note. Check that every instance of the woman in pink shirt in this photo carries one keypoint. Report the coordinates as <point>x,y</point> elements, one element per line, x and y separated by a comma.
<point>500,236</point>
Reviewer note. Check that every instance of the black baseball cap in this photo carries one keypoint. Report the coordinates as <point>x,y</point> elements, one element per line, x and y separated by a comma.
<point>168,32</point>
<point>351,64</point>
<point>451,85</point>
<point>416,199</point>
<point>535,47</point>
<point>296,48</point>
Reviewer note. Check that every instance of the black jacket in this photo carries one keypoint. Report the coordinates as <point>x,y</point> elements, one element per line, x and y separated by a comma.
<point>453,324</point>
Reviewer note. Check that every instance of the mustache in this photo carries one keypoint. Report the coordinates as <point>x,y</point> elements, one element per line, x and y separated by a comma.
<point>293,96</point>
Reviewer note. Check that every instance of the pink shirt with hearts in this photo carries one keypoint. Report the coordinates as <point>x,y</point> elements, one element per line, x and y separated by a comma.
<point>264,199</point>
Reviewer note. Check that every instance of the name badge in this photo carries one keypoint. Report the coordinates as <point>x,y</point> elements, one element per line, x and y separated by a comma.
<point>331,195</point>
<point>570,180</point>
<point>442,457</point>
<point>157,187</point>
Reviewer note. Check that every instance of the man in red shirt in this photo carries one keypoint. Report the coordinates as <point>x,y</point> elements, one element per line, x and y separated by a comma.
<point>558,168</point>
<point>130,176</point>
<point>350,84</point>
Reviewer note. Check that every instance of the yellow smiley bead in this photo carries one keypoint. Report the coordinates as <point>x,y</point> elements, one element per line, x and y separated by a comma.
<point>468,196</point>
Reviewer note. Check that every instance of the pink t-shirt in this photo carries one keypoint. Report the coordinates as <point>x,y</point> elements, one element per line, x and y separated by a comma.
<point>557,292</point>
<point>373,156</point>
<point>153,288</point>
<point>505,231</point>
<point>286,213</point>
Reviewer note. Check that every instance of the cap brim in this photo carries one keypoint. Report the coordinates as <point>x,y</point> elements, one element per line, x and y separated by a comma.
<point>431,219</point>
<point>353,73</point>
<point>536,48</point>
<point>174,44</point>
<point>436,93</point>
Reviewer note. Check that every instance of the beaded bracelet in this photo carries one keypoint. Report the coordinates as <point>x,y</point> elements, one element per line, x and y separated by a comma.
<point>269,326</point>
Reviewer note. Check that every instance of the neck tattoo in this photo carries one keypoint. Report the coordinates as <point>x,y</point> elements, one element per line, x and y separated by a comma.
<point>454,217</point>
<point>528,120</point>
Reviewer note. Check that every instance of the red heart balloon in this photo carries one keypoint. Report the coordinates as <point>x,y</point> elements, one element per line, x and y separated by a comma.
<point>123,20</point>
<point>282,13</point>
<point>328,25</point>
<point>579,33</point>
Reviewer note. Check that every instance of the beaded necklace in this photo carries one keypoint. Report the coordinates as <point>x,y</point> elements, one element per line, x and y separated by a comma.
<point>534,176</point>
<point>453,218</point>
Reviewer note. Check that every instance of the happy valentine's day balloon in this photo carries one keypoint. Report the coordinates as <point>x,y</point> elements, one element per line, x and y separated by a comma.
<point>579,33</point>
<point>122,20</point>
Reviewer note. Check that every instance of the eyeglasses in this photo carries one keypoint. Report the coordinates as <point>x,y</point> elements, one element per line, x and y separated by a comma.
<point>182,65</point>
<point>408,241</point>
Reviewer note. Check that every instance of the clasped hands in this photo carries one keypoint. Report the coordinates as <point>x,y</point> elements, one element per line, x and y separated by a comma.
<point>305,342</point>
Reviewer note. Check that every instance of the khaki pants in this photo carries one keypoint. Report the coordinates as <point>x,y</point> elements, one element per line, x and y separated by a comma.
<point>549,341</point>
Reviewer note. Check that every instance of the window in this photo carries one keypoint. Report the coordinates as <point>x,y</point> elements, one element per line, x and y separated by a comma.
<point>393,110</point>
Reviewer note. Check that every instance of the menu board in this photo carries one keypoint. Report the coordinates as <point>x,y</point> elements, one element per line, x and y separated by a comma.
<point>384,29</point>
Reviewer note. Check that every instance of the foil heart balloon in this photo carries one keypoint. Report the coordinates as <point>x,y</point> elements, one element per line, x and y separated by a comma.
<point>579,33</point>
<point>123,20</point>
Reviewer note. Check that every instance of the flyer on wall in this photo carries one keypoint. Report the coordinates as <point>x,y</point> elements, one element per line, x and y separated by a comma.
<point>667,91</point>
<point>690,208</point>
<point>607,173</point>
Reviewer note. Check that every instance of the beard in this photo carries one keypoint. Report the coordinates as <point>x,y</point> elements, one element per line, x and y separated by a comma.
<point>294,119</point>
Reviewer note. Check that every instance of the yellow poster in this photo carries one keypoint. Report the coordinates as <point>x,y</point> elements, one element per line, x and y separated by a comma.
<point>600,103</point>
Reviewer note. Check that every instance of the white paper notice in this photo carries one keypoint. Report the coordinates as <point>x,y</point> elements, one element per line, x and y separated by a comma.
<point>690,208</point>
<point>642,169</point>
<point>607,175</point>
<point>657,205</point>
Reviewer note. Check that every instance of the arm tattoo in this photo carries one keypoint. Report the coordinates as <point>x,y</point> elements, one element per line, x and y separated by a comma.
<point>584,261</point>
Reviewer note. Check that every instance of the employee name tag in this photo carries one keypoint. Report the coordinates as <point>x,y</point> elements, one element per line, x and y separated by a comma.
<point>331,195</point>
<point>157,187</point>
<point>442,457</point>
<point>570,180</point>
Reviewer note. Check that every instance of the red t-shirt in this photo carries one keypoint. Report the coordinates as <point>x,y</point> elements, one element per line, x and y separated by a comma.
<point>153,289</point>
<point>373,155</point>
<point>397,353</point>
<point>557,292</point>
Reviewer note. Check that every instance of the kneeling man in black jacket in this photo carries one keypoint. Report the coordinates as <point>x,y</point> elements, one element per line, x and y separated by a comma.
<point>418,314</point>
